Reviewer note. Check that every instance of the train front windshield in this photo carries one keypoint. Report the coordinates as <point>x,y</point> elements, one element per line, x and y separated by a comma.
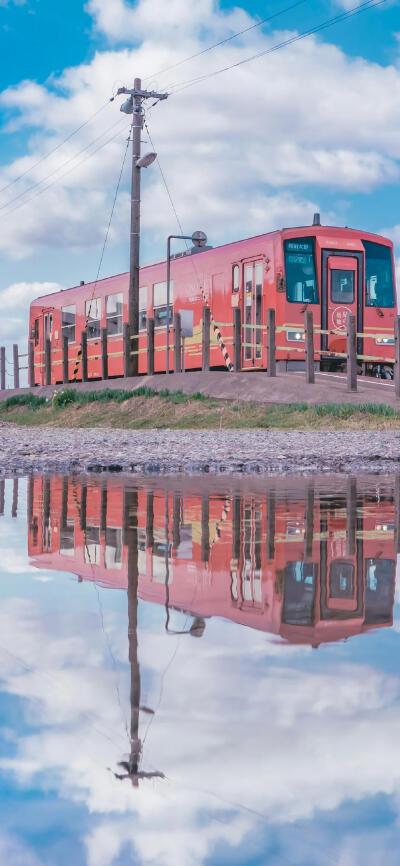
<point>301,281</point>
<point>379,284</point>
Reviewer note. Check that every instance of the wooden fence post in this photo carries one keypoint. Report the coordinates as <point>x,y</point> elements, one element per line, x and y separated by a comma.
<point>65,371</point>
<point>205,528</point>
<point>237,339</point>
<point>82,510</point>
<point>271,342</point>
<point>351,516</point>
<point>309,346</point>
<point>150,346</point>
<point>16,365</point>
<point>397,356</point>
<point>3,367</point>
<point>47,361</point>
<point>84,356</point>
<point>104,356</point>
<point>126,338</point>
<point>351,353</point>
<point>177,343</point>
<point>205,347</point>
<point>31,365</point>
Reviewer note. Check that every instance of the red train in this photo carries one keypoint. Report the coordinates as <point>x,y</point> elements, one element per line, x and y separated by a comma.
<point>331,271</point>
<point>298,567</point>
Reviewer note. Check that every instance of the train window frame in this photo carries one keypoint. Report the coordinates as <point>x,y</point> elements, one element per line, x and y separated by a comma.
<point>160,309</point>
<point>303,247</point>
<point>93,318</point>
<point>143,298</point>
<point>68,329</point>
<point>114,315</point>
<point>36,332</point>
<point>336,297</point>
<point>235,278</point>
<point>380,301</point>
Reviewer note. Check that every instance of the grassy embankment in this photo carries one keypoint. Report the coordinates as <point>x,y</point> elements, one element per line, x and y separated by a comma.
<point>145,408</point>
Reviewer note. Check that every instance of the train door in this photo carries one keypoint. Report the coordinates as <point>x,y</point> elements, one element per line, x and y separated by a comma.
<point>252,314</point>
<point>342,293</point>
<point>47,326</point>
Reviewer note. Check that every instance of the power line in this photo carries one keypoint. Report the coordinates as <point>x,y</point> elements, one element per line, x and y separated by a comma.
<point>356,10</point>
<point>50,152</point>
<point>56,170</point>
<point>57,179</point>
<point>228,39</point>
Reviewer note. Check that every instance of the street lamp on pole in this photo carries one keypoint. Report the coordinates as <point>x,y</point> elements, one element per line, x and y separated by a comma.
<point>199,239</point>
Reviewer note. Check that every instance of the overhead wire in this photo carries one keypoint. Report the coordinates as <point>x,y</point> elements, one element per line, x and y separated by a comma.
<point>70,159</point>
<point>330,22</point>
<point>57,147</point>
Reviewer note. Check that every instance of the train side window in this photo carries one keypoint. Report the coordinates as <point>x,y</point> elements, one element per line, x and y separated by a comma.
<point>160,303</point>
<point>114,313</point>
<point>342,287</point>
<point>379,282</point>
<point>142,308</point>
<point>93,317</point>
<point>68,321</point>
<point>36,332</point>
<point>301,280</point>
<point>235,278</point>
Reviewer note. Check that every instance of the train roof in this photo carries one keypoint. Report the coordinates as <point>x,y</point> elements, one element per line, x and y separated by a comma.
<point>312,229</point>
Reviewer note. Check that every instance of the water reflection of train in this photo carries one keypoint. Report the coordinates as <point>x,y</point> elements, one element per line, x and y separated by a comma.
<point>304,566</point>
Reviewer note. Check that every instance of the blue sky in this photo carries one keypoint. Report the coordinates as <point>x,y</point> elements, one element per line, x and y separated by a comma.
<point>313,126</point>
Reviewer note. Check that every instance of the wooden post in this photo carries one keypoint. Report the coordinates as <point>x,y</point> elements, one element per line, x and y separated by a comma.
<point>177,343</point>
<point>14,506</point>
<point>31,365</point>
<point>3,367</point>
<point>47,361</point>
<point>150,520</point>
<point>104,356</point>
<point>176,520</point>
<point>65,372</point>
<point>205,341</point>
<point>150,346</point>
<point>309,522</point>
<point>236,528</point>
<point>64,503</point>
<point>396,497</point>
<point>237,339</point>
<point>351,353</point>
<point>351,516</point>
<point>126,336</point>
<point>16,365</point>
<point>2,491</point>
<point>271,343</point>
<point>84,356</point>
<point>309,345</point>
<point>397,356</point>
<point>205,528</point>
<point>82,512</point>
<point>271,511</point>
<point>103,510</point>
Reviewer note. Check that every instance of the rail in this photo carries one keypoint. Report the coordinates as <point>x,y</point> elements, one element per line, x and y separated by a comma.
<point>251,345</point>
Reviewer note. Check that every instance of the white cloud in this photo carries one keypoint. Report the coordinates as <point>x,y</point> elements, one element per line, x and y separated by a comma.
<point>234,150</point>
<point>15,299</point>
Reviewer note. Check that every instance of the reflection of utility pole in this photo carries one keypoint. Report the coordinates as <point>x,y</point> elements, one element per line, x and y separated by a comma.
<point>131,766</point>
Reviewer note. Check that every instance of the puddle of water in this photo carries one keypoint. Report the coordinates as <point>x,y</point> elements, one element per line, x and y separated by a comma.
<point>199,671</point>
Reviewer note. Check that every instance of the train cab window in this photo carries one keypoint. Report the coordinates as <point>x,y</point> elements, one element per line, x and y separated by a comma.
<point>379,285</point>
<point>301,281</point>
<point>114,313</point>
<point>342,287</point>
<point>36,332</point>
<point>68,320</point>
<point>93,317</point>
<point>142,308</point>
<point>235,278</point>
<point>160,303</point>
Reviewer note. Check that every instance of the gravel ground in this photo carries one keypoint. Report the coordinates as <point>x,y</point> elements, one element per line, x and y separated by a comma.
<point>45,449</point>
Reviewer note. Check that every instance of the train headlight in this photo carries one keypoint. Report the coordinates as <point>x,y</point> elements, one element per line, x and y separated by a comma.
<point>295,336</point>
<point>384,341</point>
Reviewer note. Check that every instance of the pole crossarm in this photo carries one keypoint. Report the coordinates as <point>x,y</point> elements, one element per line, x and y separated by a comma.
<point>143,94</point>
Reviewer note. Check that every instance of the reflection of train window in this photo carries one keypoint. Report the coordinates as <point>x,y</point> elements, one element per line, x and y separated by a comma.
<point>141,538</point>
<point>113,552</point>
<point>341,579</point>
<point>379,587</point>
<point>91,550</point>
<point>299,593</point>
<point>294,527</point>
<point>67,543</point>
<point>185,548</point>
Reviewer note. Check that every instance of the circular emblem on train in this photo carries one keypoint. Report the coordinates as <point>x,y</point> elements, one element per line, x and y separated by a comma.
<point>339,318</point>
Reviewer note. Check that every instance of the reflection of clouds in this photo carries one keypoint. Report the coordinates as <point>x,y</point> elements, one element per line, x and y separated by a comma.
<point>13,853</point>
<point>283,740</point>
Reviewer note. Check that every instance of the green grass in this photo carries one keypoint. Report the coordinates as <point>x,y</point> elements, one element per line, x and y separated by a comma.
<point>146,408</point>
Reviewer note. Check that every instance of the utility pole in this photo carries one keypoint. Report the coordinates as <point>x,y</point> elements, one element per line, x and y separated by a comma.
<point>133,105</point>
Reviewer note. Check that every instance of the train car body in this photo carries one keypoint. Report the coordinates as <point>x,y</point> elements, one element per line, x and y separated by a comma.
<point>289,567</point>
<point>331,271</point>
